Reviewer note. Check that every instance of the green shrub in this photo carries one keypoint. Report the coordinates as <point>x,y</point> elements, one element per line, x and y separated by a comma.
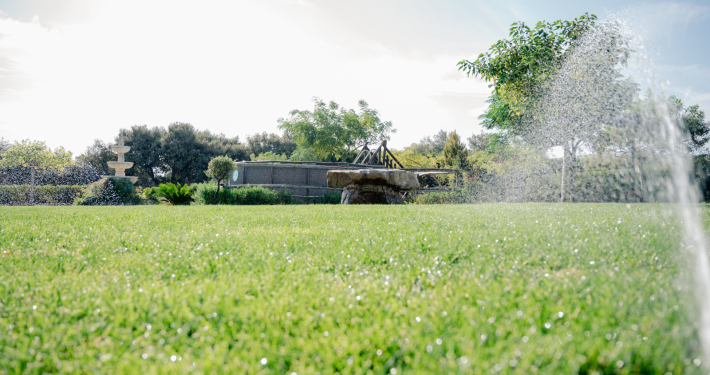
<point>19,195</point>
<point>284,197</point>
<point>328,198</point>
<point>175,194</point>
<point>109,192</point>
<point>471,192</point>
<point>248,195</point>
<point>439,197</point>
<point>150,195</point>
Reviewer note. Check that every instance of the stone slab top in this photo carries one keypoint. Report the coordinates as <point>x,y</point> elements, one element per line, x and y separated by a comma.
<point>394,178</point>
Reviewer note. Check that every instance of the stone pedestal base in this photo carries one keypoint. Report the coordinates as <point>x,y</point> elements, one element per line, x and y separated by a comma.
<point>370,194</point>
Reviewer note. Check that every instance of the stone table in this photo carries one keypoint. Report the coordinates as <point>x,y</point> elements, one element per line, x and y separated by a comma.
<point>372,186</point>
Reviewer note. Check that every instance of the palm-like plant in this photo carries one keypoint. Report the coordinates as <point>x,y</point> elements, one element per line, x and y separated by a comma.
<point>175,193</point>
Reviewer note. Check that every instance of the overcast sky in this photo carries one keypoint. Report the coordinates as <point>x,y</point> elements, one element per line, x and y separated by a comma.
<point>72,71</point>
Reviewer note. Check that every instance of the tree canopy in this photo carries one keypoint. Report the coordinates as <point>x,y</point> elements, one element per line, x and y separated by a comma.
<point>531,55</point>
<point>431,145</point>
<point>455,153</point>
<point>332,131</point>
<point>98,155</point>
<point>35,154</point>
<point>218,169</point>
<point>259,144</point>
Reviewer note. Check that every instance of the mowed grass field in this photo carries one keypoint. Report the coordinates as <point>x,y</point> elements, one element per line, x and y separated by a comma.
<point>445,289</point>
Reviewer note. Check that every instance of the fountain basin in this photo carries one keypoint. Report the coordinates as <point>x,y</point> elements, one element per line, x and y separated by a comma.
<point>131,179</point>
<point>120,149</point>
<point>119,164</point>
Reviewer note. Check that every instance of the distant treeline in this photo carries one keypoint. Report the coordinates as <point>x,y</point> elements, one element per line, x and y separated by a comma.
<point>180,153</point>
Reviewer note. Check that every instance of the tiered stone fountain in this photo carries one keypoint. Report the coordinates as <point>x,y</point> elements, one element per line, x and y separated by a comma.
<point>121,165</point>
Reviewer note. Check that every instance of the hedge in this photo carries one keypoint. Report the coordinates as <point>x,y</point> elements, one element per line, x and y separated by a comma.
<point>247,195</point>
<point>73,175</point>
<point>19,195</point>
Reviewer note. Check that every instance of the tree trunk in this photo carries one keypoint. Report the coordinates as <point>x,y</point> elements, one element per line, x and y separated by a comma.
<point>214,200</point>
<point>32,185</point>
<point>151,175</point>
<point>562,185</point>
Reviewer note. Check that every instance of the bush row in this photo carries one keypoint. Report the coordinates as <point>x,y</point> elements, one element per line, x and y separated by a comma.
<point>248,195</point>
<point>111,192</point>
<point>19,195</point>
<point>471,192</point>
<point>80,174</point>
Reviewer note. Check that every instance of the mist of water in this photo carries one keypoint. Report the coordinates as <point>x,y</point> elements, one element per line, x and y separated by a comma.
<point>617,146</point>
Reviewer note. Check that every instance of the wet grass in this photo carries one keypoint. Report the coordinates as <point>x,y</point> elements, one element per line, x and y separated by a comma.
<point>524,288</point>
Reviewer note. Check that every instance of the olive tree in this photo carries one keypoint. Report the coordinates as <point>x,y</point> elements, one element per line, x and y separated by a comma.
<point>219,168</point>
<point>35,155</point>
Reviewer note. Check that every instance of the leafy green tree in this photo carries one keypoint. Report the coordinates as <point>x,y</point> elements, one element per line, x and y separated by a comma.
<point>181,152</point>
<point>478,142</point>
<point>146,152</point>
<point>218,169</point>
<point>332,131</point>
<point>303,154</point>
<point>258,144</point>
<point>515,66</point>
<point>268,156</point>
<point>540,63</point>
<point>693,120</point>
<point>455,153</point>
<point>98,155</point>
<point>218,144</point>
<point>430,145</point>
<point>35,155</point>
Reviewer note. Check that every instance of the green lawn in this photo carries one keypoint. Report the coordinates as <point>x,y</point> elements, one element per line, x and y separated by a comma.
<point>517,288</point>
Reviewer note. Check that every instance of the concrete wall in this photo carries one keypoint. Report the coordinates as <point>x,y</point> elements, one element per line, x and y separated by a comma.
<point>303,180</point>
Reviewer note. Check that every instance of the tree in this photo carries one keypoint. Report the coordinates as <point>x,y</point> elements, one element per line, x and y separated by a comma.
<point>219,144</point>
<point>97,155</point>
<point>431,145</point>
<point>693,120</point>
<point>268,156</point>
<point>258,144</point>
<point>146,152</point>
<point>35,155</point>
<point>180,151</point>
<point>455,153</point>
<point>516,65</point>
<point>219,168</point>
<point>332,131</point>
<point>478,142</point>
<point>303,154</point>
<point>556,84</point>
